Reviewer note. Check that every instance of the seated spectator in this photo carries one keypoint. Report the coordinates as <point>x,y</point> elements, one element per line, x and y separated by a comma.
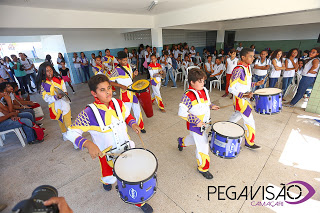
<point>218,69</point>
<point>10,120</point>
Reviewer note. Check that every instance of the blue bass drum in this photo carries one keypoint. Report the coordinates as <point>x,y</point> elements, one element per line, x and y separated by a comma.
<point>226,139</point>
<point>268,101</point>
<point>135,171</point>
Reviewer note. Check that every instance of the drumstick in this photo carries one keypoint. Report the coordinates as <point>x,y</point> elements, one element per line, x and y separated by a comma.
<point>142,141</point>
<point>265,76</point>
<point>226,106</point>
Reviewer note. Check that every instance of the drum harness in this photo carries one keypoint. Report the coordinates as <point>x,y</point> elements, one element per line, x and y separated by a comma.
<point>208,123</point>
<point>113,127</point>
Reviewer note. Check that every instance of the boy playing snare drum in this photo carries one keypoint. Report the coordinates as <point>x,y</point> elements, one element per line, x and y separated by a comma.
<point>195,109</point>
<point>122,76</point>
<point>105,120</point>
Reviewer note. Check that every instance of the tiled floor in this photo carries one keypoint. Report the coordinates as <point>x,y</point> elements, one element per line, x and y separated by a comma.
<point>290,151</point>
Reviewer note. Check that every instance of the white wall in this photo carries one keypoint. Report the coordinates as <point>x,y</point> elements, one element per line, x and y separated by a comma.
<point>296,32</point>
<point>57,18</point>
<point>193,38</point>
<point>17,39</point>
<point>82,39</point>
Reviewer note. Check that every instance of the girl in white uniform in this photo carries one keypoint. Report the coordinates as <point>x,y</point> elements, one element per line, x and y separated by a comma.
<point>309,75</point>
<point>291,64</point>
<point>231,63</point>
<point>276,67</point>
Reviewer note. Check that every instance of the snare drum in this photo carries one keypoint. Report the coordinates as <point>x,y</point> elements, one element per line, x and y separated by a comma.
<point>135,171</point>
<point>141,87</point>
<point>226,139</point>
<point>268,101</point>
<point>38,111</point>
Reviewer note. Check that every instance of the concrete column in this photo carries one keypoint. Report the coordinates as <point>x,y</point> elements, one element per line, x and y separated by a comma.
<point>220,39</point>
<point>156,36</point>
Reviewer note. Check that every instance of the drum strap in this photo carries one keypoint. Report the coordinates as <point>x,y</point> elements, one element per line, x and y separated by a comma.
<point>197,95</point>
<point>126,71</point>
<point>111,126</point>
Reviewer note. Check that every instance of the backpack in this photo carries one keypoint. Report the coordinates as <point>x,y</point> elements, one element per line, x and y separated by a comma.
<point>38,131</point>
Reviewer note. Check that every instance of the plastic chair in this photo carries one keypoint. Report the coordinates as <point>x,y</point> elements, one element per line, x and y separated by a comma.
<point>184,73</point>
<point>176,73</point>
<point>19,132</point>
<point>218,82</point>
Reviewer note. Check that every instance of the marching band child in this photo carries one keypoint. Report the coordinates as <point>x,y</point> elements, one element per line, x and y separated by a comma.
<point>195,109</point>
<point>122,77</point>
<point>99,68</point>
<point>47,80</point>
<point>155,70</point>
<point>240,87</point>
<point>109,61</point>
<point>104,112</point>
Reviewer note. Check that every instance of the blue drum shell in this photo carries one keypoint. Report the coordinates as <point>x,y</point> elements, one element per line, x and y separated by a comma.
<point>137,193</point>
<point>225,147</point>
<point>268,104</point>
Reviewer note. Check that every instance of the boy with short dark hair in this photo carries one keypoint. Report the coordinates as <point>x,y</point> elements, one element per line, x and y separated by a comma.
<point>217,70</point>
<point>240,87</point>
<point>99,68</point>
<point>122,76</point>
<point>106,121</point>
<point>195,109</point>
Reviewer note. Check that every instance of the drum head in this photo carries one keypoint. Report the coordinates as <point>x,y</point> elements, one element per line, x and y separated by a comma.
<point>140,85</point>
<point>135,165</point>
<point>268,91</point>
<point>228,129</point>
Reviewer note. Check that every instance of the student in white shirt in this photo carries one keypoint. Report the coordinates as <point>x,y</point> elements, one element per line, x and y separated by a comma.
<point>77,66</point>
<point>93,60</point>
<point>218,69</point>
<point>141,58</point>
<point>168,65</point>
<point>309,75</point>
<point>260,68</point>
<point>300,67</point>
<point>190,60</point>
<point>253,48</point>
<point>193,54</point>
<point>59,59</point>
<point>208,66</point>
<point>239,48</point>
<point>29,69</point>
<point>176,52</point>
<point>276,67</point>
<point>147,58</point>
<point>231,63</point>
<point>185,50</point>
<point>185,62</point>
<point>6,64</point>
<point>156,53</point>
<point>167,49</point>
<point>3,71</point>
<point>134,58</point>
<point>292,66</point>
<point>129,55</point>
<point>198,59</point>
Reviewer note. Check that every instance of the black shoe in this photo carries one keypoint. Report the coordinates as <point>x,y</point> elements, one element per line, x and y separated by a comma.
<point>143,131</point>
<point>180,147</point>
<point>253,147</point>
<point>146,208</point>
<point>36,141</point>
<point>40,124</point>
<point>107,187</point>
<point>206,174</point>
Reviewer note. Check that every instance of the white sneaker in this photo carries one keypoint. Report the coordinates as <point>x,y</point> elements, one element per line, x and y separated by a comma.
<point>73,92</point>
<point>75,146</point>
<point>64,136</point>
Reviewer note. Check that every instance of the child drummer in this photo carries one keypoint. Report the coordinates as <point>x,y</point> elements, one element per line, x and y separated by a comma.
<point>155,71</point>
<point>99,68</point>
<point>240,87</point>
<point>104,120</point>
<point>122,76</point>
<point>195,109</point>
